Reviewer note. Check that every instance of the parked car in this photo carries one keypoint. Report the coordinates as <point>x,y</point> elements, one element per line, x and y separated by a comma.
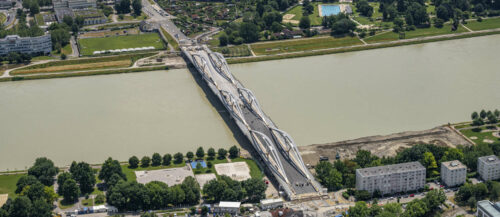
<point>412,195</point>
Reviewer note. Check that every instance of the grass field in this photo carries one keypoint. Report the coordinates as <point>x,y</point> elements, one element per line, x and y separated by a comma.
<point>303,45</point>
<point>485,24</point>
<point>3,18</point>
<point>39,19</point>
<point>210,170</point>
<point>89,45</point>
<point>130,172</point>
<point>255,171</point>
<point>129,31</point>
<point>8,184</point>
<point>315,18</point>
<point>480,135</point>
<point>170,39</point>
<point>423,32</point>
<point>234,51</point>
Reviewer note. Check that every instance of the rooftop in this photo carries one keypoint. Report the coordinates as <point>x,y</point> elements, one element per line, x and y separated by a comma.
<point>452,165</point>
<point>492,159</point>
<point>270,201</point>
<point>489,207</point>
<point>229,204</point>
<point>390,169</point>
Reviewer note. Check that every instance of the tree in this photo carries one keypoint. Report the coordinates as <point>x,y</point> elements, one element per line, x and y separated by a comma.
<point>416,208</point>
<point>364,158</point>
<point>307,8</point>
<point>79,21</point>
<point>429,161</point>
<point>223,39</point>
<point>222,153</point>
<point>44,170</point>
<point>34,8</point>
<point>452,154</point>
<point>482,114</point>
<point>434,199</point>
<point>234,152</point>
<point>167,159</point>
<point>100,198</point>
<point>255,189</point>
<point>84,175</point>
<point>68,20</point>
<point>145,161</point>
<point>156,160</point>
<point>137,6</point>
<point>439,23</point>
<point>200,153</point>
<point>41,208</point>
<point>305,23</point>
<point>211,153</point>
<point>178,158</point>
<point>343,26</point>
<point>61,179</point>
<point>63,56</point>
<point>70,191</point>
<point>442,13</point>
<point>25,181</point>
<point>364,8</point>
<point>362,195</point>
<point>123,7</point>
<point>359,210</point>
<point>20,207</point>
<point>189,155</point>
<point>133,162</point>
<point>249,32</point>
<point>109,168</point>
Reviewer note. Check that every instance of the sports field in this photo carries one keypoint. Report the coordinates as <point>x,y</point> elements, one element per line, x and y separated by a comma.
<point>89,45</point>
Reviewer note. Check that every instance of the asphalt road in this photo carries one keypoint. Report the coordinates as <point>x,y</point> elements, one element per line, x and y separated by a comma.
<point>160,16</point>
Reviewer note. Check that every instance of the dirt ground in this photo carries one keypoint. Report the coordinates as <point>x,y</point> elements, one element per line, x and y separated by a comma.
<point>387,145</point>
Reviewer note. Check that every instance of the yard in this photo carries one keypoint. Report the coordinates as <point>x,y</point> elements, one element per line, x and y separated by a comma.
<point>212,169</point>
<point>8,184</point>
<point>303,45</point>
<point>422,32</point>
<point>234,51</point>
<point>130,172</point>
<point>297,14</point>
<point>89,45</point>
<point>485,24</point>
<point>3,18</point>
<point>255,171</point>
<point>478,136</point>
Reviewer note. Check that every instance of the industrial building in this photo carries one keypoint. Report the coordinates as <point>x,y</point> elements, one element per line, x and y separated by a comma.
<point>453,173</point>
<point>27,45</point>
<point>391,179</point>
<point>489,167</point>
<point>485,208</point>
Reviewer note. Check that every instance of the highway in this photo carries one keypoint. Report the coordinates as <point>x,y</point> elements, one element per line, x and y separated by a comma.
<point>276,147</point>
<point>161,17</point>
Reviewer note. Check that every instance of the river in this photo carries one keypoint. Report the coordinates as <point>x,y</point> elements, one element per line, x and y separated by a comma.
<point>315,99</point>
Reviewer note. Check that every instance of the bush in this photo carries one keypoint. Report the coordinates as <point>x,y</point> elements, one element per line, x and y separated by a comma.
<point>479,19</point>
<point>100,198</point>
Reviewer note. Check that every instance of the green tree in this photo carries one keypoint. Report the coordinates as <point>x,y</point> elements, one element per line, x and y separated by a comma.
<point>223,39</point>
<point>305,23</point>
<point>255,189</point>
<point>156,160</point>
<point>474,115</point>
<point>429,161</point>
<point>137,6</point>
<point>70,191</point>
<point>133,162</point>
<point>416,208</point>
<point>234,152</point>
<point>222,153</point>
<point>109,168</point>
<point>482,114</point>
<point>434,199</point>
<point>200,153</point>
<point>61,179</point>
<point>249,32</point>
<point>25,181</point>
<point>41,208</point>
<point>360,209</point>
<point>167,159</point>
<point>20,207</point>
<point>211,153</point>
<point>84,175</point>
<point>178,158</point>
<point>364,8</point>
<point>145,161</point>
<point>343,26</point>
<point>190,155</point>
<point>44,170</point>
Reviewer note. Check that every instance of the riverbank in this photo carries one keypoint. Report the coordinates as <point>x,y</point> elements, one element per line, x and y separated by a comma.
<point>361,47</point>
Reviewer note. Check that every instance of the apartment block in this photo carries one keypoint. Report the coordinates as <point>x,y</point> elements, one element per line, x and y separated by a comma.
<point>391,178</point>
<point>74,4</point>
<point>29,45</point>
<point>453,173</point>
<point>485,208</point>
<point>489,167</point>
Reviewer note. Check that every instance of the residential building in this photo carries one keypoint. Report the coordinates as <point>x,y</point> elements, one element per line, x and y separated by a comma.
<point>391,178</point>
<point>485,208</point>
<point>5,4</point>
<point>232,208</point>
<point>267,204</point>
<point>74,4</point>
<point>29,45</point>
<point>489,167</point>
<point>453,173</point>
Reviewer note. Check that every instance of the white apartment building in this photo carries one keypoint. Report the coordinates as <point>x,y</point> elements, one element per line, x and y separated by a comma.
<point>391,178</point>
<point>489,167</point>
<point>30,45</point>
<point>485,208</point>
<point>453,173</point>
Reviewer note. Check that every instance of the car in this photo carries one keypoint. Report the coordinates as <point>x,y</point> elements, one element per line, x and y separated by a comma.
<point>412,195</point>
<point>442,186</point>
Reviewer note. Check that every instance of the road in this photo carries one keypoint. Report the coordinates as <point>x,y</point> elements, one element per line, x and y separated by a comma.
<point>161,17</point>
<point>74,47</point>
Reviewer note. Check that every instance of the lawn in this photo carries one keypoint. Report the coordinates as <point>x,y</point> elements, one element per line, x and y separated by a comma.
<point>130,172</point>
<point>8,184</point>
<point>89,45</point>
<point>286,46</point>
<point>480,135</point>
<point>3,18</point>
<point>485,24</point>
<point>39,58</point>
<point>314,17</point>
<point>234,51</point>
<point>255,171</point>
<point>210,170</point>
<point>88,202</point>
<point>171,40</point>
<point>423,32</point>
<point>39,19</point>
<point>65,50</point>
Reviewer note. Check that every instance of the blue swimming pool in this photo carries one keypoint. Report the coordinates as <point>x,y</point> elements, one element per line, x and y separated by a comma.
<point>202,162</point>
<point>327,10</point>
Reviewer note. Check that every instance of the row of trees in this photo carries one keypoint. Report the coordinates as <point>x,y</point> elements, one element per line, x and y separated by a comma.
<point>341,174</point>
<point>226,189</point>
<point>426,206</point>
<point>157,159</point>
<point>469,194</point>
<point>123,7</point>
<point>79,180</point>
<point>479,119</point>
<point>339,24</point>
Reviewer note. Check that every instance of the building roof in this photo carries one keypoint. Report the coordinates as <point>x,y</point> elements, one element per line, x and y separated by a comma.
<point>489,207</point>
<point>390,169</point>
<point>453,165</point>
<point>229,204</point>
<point>271,201</point>
<point>491,159</point>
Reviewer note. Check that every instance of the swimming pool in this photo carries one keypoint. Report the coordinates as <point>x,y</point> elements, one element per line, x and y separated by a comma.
<point>327,10</point>
<point>202,162</point>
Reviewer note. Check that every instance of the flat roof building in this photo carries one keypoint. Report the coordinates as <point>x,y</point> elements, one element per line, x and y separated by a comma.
<point>453,173</point>
<point>232,208</point>
<point>489,167</point>
<point>391,178</point>
<point>485,208</point>
<point>266,204</point>
<point>5,4</point>
<point>74,4</point>
<point>27,45</point>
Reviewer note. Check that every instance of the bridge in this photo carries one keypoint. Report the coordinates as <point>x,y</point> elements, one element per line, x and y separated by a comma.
<point>275,147</point>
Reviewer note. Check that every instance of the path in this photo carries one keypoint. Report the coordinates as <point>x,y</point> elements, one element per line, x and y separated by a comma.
<point>74,47</point>
<point>466,27</point>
